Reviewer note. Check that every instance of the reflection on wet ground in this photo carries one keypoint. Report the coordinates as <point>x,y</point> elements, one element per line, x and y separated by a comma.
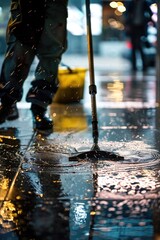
<point>43,195</point>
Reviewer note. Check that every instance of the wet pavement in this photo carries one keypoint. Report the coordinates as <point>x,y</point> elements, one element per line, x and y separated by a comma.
<point>45,195</point>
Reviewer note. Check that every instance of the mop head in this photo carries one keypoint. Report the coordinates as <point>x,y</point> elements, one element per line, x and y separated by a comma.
<point>95,155</point>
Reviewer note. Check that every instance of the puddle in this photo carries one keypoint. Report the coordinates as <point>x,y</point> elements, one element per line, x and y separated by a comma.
<point>135,177</point>
<point>135,153</point>
<point>50,161</point>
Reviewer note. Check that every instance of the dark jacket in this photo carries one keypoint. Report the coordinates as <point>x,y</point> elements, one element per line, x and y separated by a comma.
<point>27,19</point>
<point>146,14</point>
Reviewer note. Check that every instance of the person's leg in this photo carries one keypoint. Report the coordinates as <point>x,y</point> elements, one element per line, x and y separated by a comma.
<point>53,44</point>
<point>133,53</point>
<point>15,68</point>
<point>140,46</point>
<point>143,57</point>
<point>51,47</point>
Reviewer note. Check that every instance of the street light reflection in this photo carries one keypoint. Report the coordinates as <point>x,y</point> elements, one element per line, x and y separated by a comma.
<point>116,90</point>
<point>8,215</point>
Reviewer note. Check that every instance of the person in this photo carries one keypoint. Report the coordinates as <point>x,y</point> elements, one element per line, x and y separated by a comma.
<point>35,29</point>
<point>138,15</point>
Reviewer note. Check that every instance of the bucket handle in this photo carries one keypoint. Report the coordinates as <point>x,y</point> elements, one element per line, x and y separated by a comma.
<point>69,69</point>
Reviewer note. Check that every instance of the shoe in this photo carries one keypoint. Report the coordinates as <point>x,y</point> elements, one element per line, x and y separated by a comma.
<point>41,120</point>
<point>8,113</point>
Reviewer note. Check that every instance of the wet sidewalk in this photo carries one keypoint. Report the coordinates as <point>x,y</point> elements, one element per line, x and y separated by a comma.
<point>44,195</point>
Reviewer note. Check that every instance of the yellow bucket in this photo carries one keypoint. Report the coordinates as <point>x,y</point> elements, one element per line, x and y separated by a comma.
<point>70,117</point>
<point>71,85</point>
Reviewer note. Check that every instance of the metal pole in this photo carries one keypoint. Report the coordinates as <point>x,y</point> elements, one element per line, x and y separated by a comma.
<point>92,87</point>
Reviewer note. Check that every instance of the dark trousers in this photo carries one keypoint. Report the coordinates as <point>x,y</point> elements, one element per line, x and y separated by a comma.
<point>137,34</point>
<point>19,57</point>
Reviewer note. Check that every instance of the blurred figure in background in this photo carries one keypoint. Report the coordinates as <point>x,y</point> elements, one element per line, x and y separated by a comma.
<point>35,29</point>
<point>138,15</point>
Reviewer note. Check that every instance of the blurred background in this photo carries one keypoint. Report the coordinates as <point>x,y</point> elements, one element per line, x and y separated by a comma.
<point>108,28</point>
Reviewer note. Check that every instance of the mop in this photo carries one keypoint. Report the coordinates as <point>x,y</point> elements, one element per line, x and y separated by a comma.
<point>95,153</point>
